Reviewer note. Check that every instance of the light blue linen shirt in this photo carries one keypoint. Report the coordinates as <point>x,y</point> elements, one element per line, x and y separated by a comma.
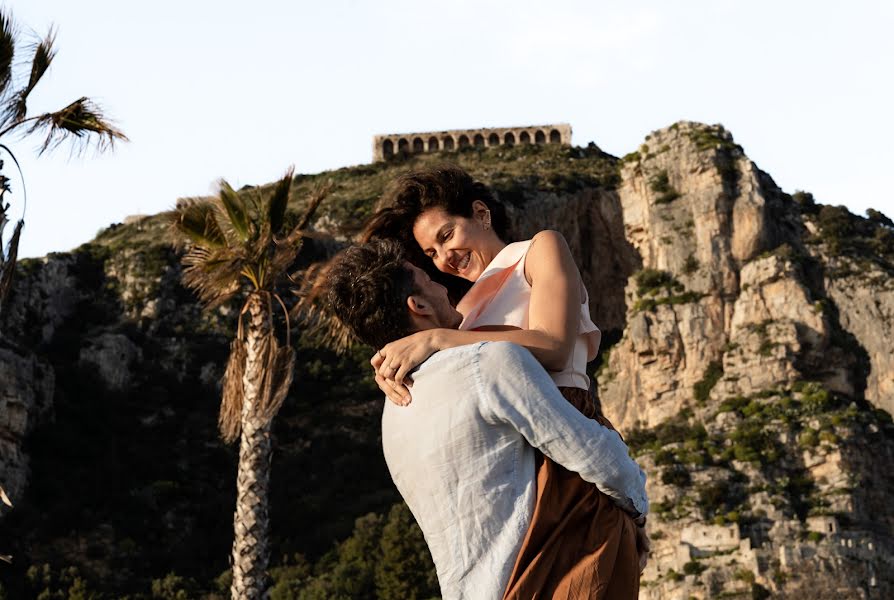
<point>462,456</point>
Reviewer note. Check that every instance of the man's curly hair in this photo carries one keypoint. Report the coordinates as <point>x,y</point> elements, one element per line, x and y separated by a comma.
<point>368,286</point>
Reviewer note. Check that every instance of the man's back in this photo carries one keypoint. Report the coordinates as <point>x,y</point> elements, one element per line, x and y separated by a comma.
<point>461,455</point>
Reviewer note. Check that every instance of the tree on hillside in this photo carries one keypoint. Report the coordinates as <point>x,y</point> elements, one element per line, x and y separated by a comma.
<point>239,244</point>
<point>81,122</point>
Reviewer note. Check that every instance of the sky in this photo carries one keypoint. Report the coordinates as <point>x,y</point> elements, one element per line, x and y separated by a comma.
<point>241,90</point>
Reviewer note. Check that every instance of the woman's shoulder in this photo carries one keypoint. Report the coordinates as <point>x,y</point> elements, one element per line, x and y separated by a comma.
<point>547,244</point>
<point>548,236</point>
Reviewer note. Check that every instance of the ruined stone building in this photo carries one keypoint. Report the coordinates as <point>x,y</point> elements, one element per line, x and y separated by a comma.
<point>387,145</point>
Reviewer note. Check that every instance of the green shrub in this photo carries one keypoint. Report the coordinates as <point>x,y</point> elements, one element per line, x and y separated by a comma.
<point>665,457</point>
<point>693,568</point>
<point>879,217</point>
<point>745,575</point>
<point>173,587</point>
<point>691,265</point>
<point>734,404</point>
<point>677,475</point>
<point>673,576</point>
<point>651,281</point>
<point>710,137</point>
<point>815,399</point>
<point>815,536</point>
<point>805,201</point>
<point>702,389</point>
<point>660,184</point>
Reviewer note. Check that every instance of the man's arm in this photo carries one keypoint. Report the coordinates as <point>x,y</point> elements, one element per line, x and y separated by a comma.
<point>517,390</point>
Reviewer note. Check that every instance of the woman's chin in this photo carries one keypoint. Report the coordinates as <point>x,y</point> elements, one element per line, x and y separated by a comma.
<point>471,275</point>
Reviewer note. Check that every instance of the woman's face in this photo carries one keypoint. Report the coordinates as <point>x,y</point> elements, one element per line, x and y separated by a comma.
<point>458,245</point>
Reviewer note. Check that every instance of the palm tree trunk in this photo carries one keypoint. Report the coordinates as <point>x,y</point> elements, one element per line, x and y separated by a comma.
<point>251,546</point>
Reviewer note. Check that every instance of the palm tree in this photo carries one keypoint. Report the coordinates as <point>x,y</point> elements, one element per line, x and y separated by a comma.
<point>240,242</point>
<point>81,122</point>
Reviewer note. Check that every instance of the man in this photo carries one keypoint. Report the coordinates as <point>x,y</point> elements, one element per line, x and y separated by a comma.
<point>463,453</point>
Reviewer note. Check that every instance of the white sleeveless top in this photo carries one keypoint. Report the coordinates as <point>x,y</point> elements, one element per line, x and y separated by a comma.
<point>502,297</point>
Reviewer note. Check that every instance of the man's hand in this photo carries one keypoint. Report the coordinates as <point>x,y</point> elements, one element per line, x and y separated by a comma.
<point>643,547</point>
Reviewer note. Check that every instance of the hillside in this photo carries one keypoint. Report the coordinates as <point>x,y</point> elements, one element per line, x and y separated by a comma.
<point>749,337</point>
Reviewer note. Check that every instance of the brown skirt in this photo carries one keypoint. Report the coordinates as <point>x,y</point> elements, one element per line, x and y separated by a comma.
<point>579,545</point>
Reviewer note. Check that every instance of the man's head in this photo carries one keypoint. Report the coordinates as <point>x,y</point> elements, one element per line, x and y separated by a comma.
<point>381,297</point>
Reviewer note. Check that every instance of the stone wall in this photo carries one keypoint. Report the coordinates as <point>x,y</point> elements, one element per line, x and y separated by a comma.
<point>388,145</point>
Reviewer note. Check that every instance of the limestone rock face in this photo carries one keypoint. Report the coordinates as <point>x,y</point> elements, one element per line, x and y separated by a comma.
<point>865,303</point>
<point>26,395</point>
<point>113,355</point>
<point>44,300</point>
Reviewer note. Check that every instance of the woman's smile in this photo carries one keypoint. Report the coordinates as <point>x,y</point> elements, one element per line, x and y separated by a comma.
<point>462,264</point>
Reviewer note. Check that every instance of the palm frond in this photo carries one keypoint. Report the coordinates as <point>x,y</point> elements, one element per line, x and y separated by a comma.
<point>236,210</point>
<point>83,121</point>
<point>320,326</point>
<point>279,370</point>
<point>43,54</point>
<point>279,201</point>
<point>213,275</point>
<point>198,222</point>
<point>319,194</point>
<point>229,420</point>
<point>8,261</point>
<point>7,49</point>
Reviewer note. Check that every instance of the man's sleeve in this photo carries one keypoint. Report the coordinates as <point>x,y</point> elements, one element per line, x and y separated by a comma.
<point>515,389</point>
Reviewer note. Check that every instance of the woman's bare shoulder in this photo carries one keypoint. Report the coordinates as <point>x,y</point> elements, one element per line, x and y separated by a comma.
<point>547,243</point>
<point>547,251</point>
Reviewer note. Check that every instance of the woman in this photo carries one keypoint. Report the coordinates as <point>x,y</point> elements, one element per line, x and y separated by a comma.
<point>529,293</point>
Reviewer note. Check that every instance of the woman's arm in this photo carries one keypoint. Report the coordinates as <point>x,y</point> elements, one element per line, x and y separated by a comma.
<point>553,317</point>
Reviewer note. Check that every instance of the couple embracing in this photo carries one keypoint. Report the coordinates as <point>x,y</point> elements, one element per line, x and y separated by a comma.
<point>521,487</point>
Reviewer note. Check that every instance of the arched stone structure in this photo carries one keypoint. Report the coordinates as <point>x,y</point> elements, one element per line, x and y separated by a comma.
<point>387,146</point>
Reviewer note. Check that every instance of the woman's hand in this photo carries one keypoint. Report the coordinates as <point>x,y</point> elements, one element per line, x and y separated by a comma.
<point>393,362</point>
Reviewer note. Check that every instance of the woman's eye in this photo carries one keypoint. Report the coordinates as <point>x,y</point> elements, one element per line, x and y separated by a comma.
<point>448,234</point>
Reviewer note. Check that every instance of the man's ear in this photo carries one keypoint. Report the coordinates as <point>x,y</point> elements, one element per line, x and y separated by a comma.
<point>418,306</point>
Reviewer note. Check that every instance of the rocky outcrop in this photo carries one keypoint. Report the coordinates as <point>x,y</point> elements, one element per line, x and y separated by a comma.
<point>863,295</point>
<point>735,308</point>
<point>744,360</point>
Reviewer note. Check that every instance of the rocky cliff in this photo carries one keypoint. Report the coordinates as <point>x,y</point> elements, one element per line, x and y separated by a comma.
<point>748,361</point>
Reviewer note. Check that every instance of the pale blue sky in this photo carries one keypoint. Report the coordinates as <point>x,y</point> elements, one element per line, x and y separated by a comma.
<point>241,90</point>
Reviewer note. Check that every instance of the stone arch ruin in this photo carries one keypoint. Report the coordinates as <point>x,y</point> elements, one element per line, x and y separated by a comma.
<point>387,146</point>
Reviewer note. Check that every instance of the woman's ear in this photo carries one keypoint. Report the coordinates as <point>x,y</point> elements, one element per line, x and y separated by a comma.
<point>481,213</point>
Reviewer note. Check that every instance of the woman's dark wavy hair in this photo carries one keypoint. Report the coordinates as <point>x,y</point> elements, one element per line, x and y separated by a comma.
<point>445,186</point>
